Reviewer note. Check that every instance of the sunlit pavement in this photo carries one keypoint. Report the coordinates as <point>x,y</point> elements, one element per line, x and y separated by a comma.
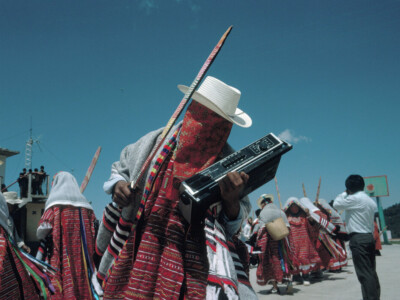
<point>343,285</point>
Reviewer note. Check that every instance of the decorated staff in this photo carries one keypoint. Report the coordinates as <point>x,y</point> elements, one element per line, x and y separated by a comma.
<point>182,105</point>
<point>90,170</point>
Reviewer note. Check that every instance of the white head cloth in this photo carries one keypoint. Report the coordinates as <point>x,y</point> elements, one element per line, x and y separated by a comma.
<point>5,219</point>
<point>290,201</point>
<point>269,213</point>
<point>65,191</point>
<point>335,217</point>
<point>308,204</point>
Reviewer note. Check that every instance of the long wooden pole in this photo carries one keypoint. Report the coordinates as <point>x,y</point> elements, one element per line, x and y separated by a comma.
<point>90,170</point>
<point>277,191</point>
<point>304,191</point>
<point>318,189</point>
<point>9,185</point>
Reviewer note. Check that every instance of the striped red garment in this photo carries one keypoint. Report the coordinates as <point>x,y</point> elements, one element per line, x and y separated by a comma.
<point>15,282</point>
<point>67,256</point>
<point>323,252</point>
<point>303,237</point>
<point>270,264</point>
<point>170,261</point>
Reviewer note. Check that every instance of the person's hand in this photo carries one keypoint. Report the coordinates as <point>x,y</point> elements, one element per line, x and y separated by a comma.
<point>123,195</point>
<point>307,211</point>
<point>231,187</point>
<point>26,248</point>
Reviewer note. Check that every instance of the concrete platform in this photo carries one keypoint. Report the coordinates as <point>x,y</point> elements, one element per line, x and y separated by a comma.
<point>344,285</point>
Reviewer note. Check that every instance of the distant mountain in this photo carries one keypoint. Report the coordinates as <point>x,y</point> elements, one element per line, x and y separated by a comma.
<point>392,219</point>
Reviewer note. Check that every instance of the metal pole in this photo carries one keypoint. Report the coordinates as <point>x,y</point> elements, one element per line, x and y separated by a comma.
<point>29,196</point>
<point>382,219</point>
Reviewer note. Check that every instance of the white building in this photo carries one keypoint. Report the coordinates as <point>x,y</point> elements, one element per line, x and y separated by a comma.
<point>4,153</point>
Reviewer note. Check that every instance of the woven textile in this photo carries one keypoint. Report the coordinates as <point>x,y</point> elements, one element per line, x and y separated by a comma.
<point>162,259</point>
<point>15,282</point>
<point>111,238</point>
<point>332,254</point>
<point>340,260</point>
<point>322,250</point>
<point>276,260</point>
<point>115,289</point>
<point>227,276</point>
<point>67,254</point>
<point>244,256</point>
<point>269,266</point>
<point>304,236</point>
<point>5,219</point>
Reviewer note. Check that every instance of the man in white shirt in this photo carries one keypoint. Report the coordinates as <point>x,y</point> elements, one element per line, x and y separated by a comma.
<point>247,229</point>
<point>360,210</point>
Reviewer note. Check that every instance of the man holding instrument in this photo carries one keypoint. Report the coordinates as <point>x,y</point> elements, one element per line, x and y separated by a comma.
<point>163,255</point>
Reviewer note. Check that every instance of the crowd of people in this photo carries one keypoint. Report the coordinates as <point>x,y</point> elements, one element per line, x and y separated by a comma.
<point>144,248</point>
<point>38,178</point>
<point>312,241</point>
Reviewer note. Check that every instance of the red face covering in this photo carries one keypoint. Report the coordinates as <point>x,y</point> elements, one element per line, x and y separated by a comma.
<point>202,137</point>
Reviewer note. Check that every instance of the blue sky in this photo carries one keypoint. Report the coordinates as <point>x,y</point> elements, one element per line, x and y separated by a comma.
<point>104,73</point>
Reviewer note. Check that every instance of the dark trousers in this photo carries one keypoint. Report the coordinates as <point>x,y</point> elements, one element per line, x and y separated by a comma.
<point>362,247</point>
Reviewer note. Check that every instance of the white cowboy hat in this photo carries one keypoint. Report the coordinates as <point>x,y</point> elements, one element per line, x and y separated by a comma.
<point>220,98</point>
<point>264,197</point>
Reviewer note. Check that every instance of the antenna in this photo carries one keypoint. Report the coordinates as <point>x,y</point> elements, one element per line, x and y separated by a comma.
<point>29,150</point>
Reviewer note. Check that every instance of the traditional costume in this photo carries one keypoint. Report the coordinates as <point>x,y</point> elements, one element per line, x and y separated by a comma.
<point>338,253</point>
<point>377,238</point>
<point>68,226</point>
<point>322,250</point>
<point>20,278</point>
<point>303,236</point>
<point>277,260</point>
<point>163,258</point>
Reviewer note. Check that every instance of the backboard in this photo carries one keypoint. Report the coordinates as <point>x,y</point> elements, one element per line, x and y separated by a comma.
<point>376,186</point>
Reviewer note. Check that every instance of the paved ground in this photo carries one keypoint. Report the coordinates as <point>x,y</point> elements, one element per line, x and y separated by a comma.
<point>344,285</point>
